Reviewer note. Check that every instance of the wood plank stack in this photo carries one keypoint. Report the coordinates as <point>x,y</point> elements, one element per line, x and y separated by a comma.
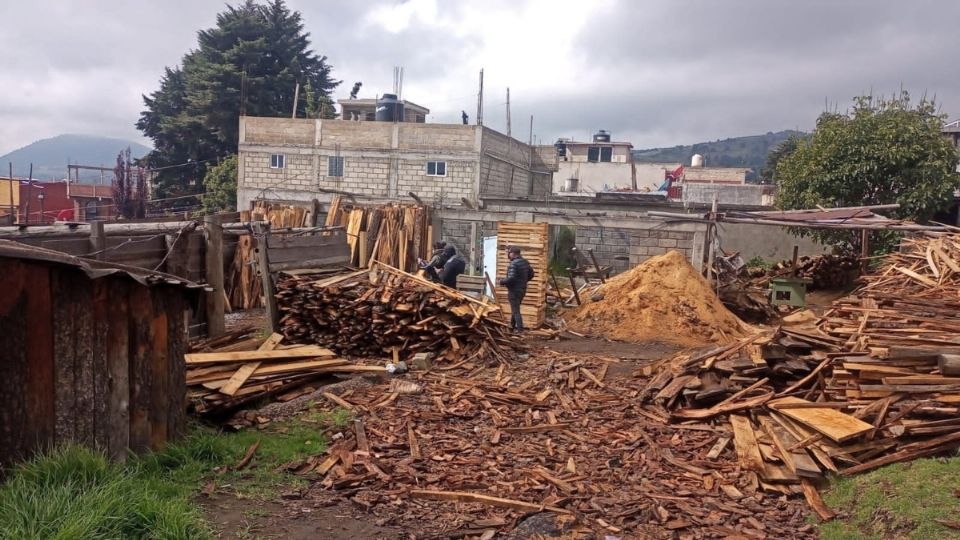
<point>241,368</point>
<point>825,272</point>
<point>385,311</point>
<point>279,215</point>
<point>394,234</point>
<point>532,239</point>
<point>861,389</point>
<point>244,289</point>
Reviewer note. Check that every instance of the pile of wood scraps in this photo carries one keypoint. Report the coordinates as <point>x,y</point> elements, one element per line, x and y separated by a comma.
<point>875,381</point>
<point>471,449</point>
<point>244,288</point>
<point>826,271</point>
<point>384,311</point>
<point>242,368</point>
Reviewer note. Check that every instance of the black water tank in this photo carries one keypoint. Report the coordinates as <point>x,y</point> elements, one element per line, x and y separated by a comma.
<point>601,136</point>
<point>561,146</point>
<point>389,109</point>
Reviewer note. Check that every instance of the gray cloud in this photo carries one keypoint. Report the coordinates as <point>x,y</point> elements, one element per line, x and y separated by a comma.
<point>657,73</point>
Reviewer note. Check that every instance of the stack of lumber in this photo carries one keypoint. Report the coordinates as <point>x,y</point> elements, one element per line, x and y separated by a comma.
<point>385,311</point>
<point>870,384</point>
<point>244,289</point>
<point>279,215</point>
<point>532,240</point>
<point>466,451</point>
<point>394,234</point>
<point>241,368</point>
<point>824,271</point>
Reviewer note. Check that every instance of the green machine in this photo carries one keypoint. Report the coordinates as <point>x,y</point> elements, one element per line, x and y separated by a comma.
<point>789,291</point>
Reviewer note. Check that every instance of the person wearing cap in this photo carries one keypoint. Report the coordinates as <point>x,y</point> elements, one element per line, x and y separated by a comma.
<point>519,272</point>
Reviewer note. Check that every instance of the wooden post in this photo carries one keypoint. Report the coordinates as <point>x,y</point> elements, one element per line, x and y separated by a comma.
<point>316,213</point>
<point>263,268</point>
<point>473,248</point>
<point>864,250</point>
<point>793,264</point>
<point>573,285</point>
<point>98,240</point>
<point>596,266</point>
<point>213,232</point>
<point>712,241</point>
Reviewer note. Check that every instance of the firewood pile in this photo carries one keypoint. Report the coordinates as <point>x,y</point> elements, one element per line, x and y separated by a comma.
<point>238,368</point>
<point>385,311</point>
<point>825,271</point>
<point>874,382</point>
<point>279,215</point>
<point>394,234</point>
<point>471,450</point>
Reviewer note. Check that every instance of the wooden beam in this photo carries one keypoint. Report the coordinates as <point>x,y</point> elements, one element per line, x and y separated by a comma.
<point>213,232</point>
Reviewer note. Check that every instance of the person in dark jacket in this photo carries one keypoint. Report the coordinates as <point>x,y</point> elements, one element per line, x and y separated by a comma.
<point>454,265</point>
<point>436,263</point>
<point>519,272</point>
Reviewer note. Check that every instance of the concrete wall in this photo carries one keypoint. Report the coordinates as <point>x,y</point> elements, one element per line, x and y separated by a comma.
<point>753,195</point>
<point>594,177</point>
<point>771,243</point>
<point>510,168</point>
<point>729,175</point>
<point>650,175</point>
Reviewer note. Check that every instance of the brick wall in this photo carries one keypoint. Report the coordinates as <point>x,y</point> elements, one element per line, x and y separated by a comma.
<point>297,173</point>
<point>437,137</point>
<point>457,184</point>
<point>369,175</point>
<point>355,134</point>
<point>634,245</point>
<point>277,131</point>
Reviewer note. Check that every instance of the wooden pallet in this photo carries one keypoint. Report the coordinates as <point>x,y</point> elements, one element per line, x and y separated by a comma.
<point>531,238</point>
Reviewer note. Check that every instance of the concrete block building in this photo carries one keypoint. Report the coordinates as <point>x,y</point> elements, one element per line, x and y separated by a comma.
<point>443,164</point>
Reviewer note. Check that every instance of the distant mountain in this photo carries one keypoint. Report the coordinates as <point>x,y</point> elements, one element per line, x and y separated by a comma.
<point>750,152</point>
<point>50,156</point>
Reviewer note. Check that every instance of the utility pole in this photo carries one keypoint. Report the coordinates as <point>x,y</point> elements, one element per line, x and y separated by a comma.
<point>480,101</point>
<point>508,112</point>
<point>530,141</point>
<point>296,98</point>
<point>26,212</point>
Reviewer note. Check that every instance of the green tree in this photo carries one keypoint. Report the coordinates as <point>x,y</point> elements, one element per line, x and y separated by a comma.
<point>785,148</point>
<point>220,184</point>
<point>249,63</point>
<point>882,151</point>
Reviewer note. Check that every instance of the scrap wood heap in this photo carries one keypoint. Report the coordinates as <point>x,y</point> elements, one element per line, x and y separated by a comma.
<point>394,234</point>
<point>385,311</point>
<point>561,434</point>
<point>874,382</point>
<point>241,367</point>
<point>244,289</point>
<point>828,271</point>
<point>279,215</point>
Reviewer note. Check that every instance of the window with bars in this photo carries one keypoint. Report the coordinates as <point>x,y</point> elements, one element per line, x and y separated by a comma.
<point>335,166</point>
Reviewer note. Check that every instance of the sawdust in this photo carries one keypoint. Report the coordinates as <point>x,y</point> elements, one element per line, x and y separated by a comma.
<point>662,299</point>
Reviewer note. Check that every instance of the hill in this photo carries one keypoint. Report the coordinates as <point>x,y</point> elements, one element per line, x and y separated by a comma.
<point>50,156</point>
<point>750,151</point>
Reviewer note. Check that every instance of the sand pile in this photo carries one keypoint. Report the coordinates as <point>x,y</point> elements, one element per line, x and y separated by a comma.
<point>663,299</point>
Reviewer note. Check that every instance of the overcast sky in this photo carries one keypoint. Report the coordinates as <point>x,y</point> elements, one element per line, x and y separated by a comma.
<point>653,72</point>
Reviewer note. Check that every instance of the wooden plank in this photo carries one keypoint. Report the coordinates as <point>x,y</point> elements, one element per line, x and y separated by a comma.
<point>834,424</point>
<point>247,370</point>
<point>100,309</point>
<point>176,309</point>
<point>117,372</point>
<point>745,442</point>
<point>141,315</point>
<point>160,384</point>
<point>466,497</point>
<point>798,461</point>
<point>247,356</point>
<point>815,501</point>
<point>912,451</point>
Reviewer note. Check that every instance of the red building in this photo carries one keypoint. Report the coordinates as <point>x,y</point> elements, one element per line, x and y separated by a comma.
<point>43,202</point>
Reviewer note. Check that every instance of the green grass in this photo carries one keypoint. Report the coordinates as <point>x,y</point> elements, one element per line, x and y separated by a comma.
<point>73,492</point>
<point>898,501</point>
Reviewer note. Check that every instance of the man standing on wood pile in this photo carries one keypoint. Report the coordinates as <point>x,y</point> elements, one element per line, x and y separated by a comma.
<point>519,272</point>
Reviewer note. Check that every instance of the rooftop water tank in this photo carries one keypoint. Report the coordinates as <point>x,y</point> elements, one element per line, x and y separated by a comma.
<point>561,146</point>
<point>389,109</point>
<point>601,136</point>
<point>696,161</point>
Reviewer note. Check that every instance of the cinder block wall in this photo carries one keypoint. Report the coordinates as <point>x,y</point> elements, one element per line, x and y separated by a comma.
<point>632,246</point>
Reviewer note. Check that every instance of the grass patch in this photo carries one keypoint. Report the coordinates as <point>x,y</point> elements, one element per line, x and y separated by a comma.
<point>73,492</point>
<point>898,501</point>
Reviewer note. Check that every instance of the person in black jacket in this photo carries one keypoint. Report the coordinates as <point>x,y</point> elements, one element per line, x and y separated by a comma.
<point>519,272</point>
<point>436,263</point>
<point>454,265</point>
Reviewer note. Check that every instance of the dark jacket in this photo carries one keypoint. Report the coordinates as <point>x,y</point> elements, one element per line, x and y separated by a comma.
<point>453,268</point>
<point>519,272</point>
